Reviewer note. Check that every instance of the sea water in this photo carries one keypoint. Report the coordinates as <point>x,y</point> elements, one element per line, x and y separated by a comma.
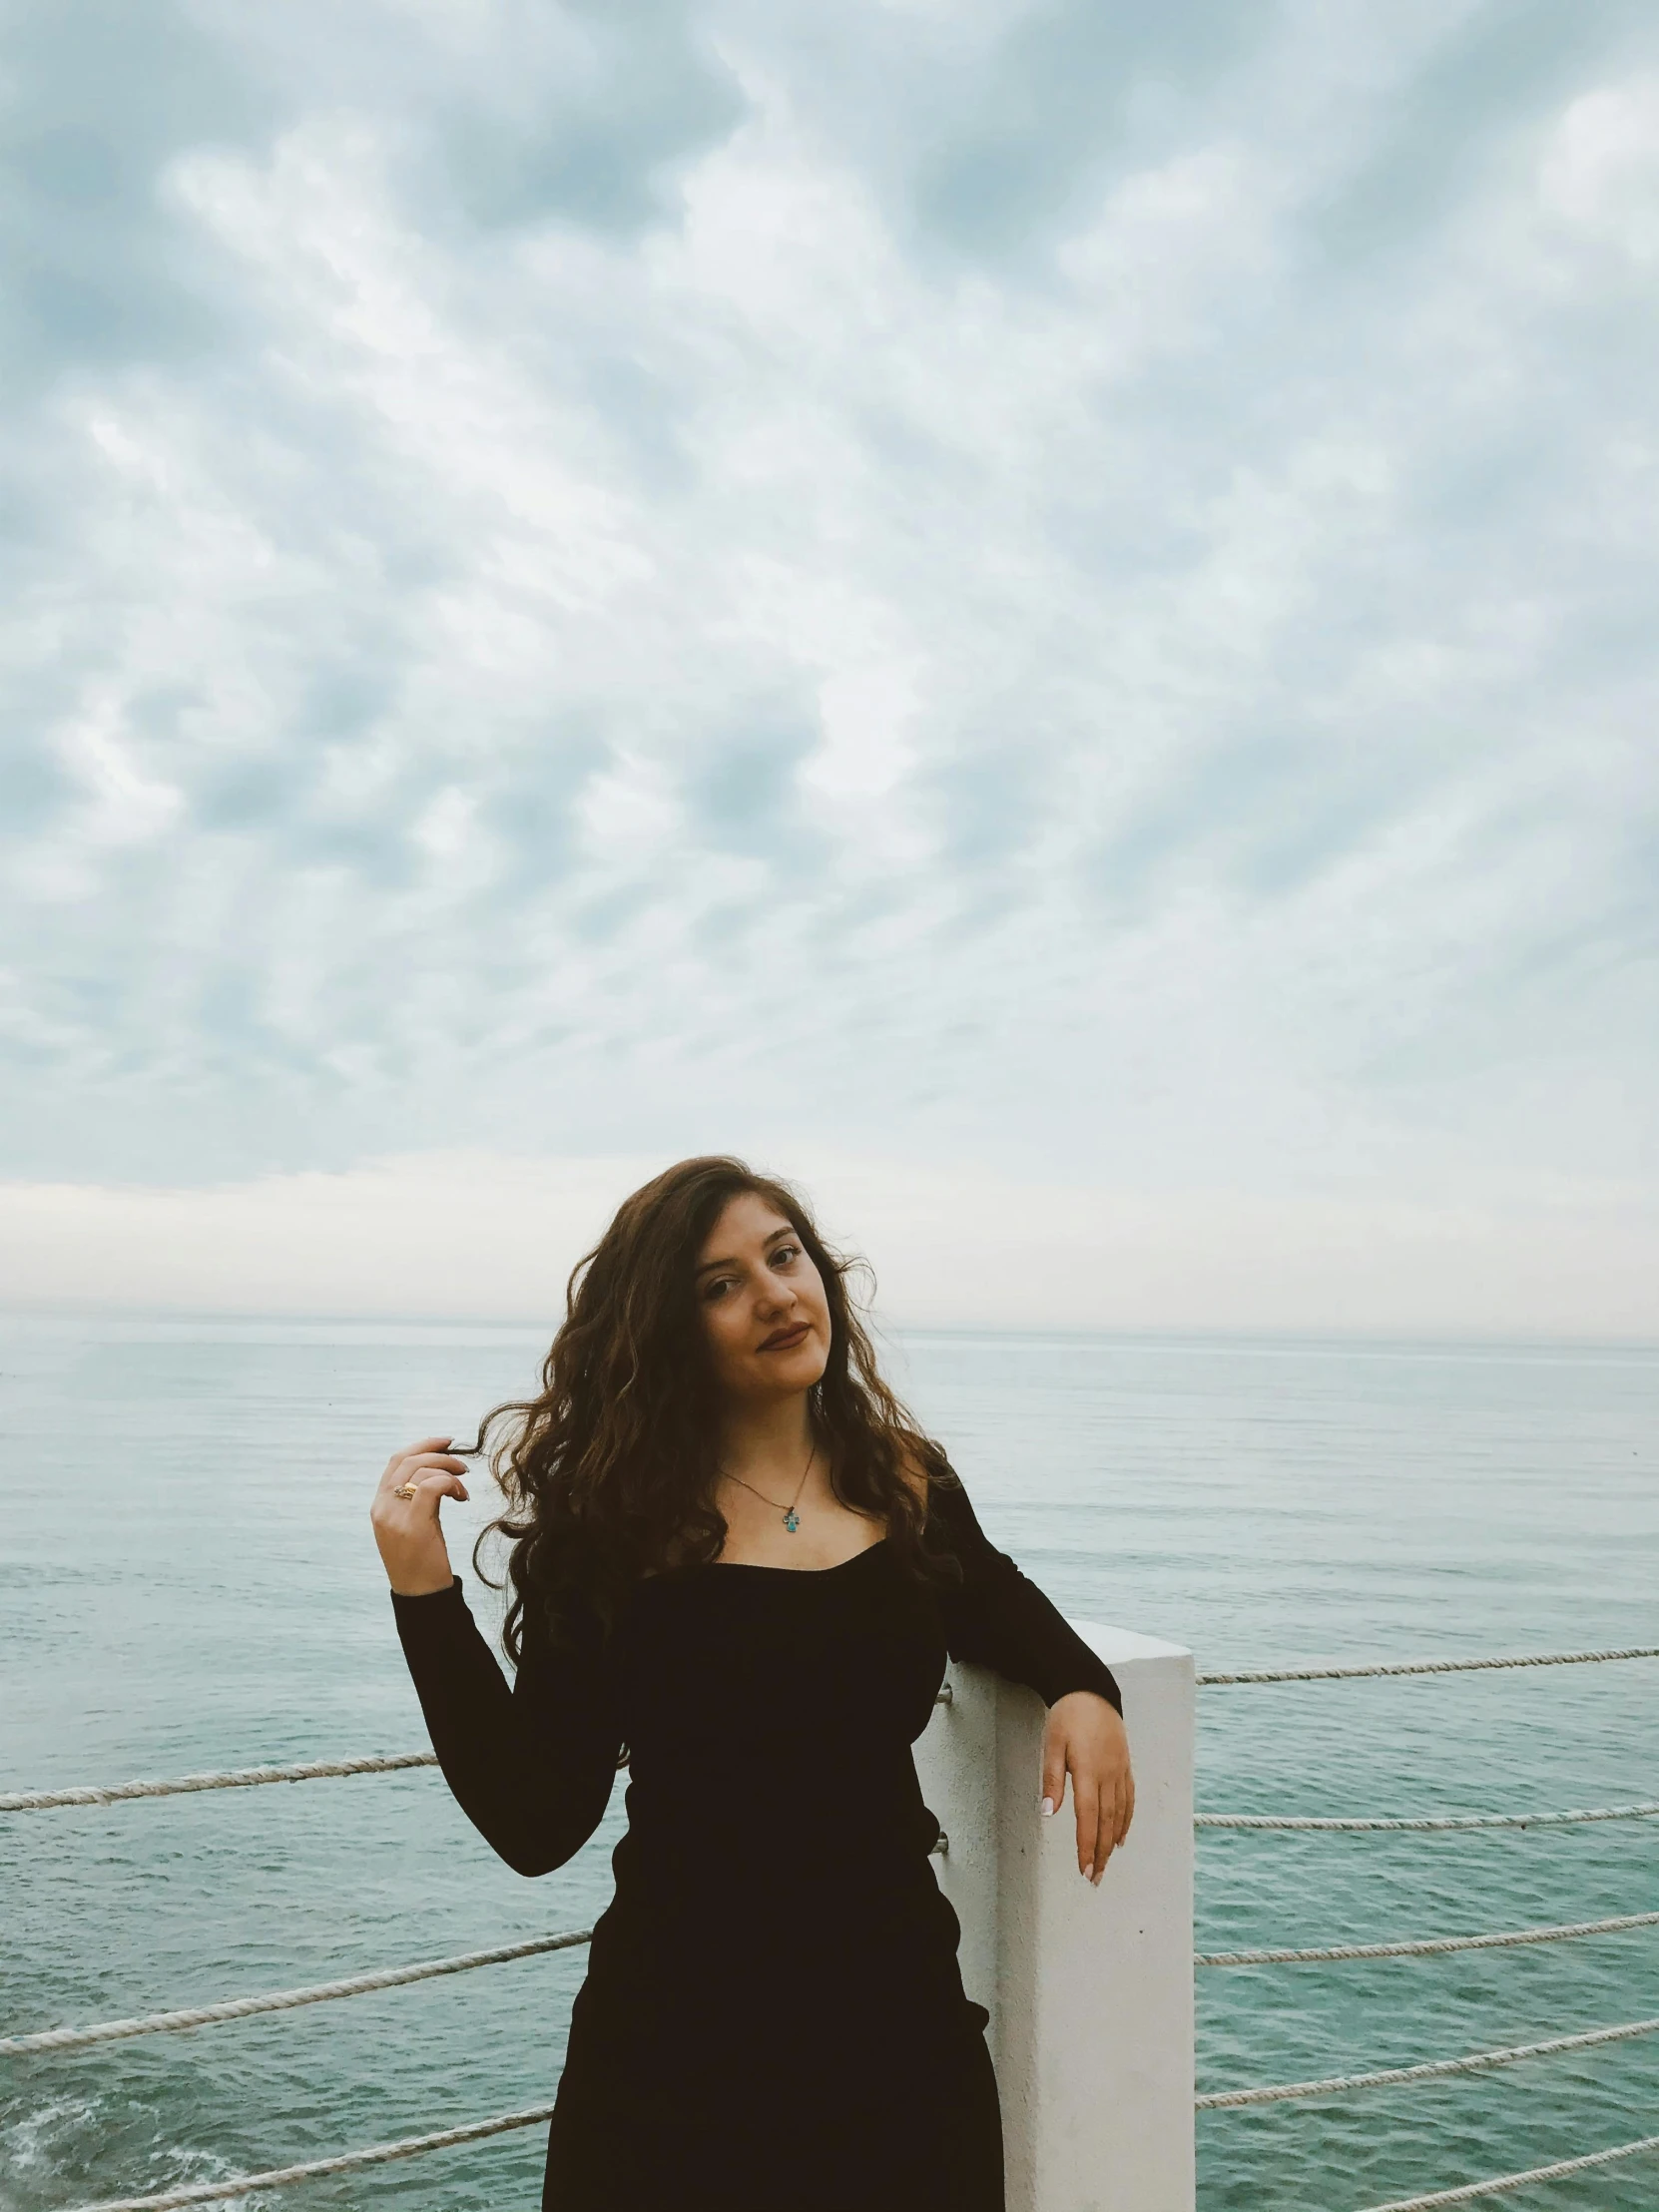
<point>188,1581</point>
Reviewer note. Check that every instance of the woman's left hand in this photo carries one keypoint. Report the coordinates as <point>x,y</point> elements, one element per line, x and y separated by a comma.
<point>1085,1737</point>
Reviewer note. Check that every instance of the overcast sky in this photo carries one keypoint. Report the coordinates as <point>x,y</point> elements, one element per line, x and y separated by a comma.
<point>1045,614</point>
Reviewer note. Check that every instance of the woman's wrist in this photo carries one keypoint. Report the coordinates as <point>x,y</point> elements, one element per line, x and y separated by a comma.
<point>423,1585</point>
<point>1096,1697</point>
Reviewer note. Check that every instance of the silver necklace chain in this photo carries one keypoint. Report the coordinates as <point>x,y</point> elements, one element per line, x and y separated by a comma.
<point>792,1517</point>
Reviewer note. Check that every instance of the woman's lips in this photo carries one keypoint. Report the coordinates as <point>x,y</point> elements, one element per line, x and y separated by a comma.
<point>785,1340</point>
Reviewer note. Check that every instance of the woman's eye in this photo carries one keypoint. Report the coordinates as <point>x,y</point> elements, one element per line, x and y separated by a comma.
<point>785,1254</point>
<point>718,1289</point>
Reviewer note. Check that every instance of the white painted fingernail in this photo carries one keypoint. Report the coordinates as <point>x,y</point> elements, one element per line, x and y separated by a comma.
<point>1088,1873</point>
<point>1048,1805</point>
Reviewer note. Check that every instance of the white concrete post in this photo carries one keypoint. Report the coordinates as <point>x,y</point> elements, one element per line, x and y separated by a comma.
<point>1090,1991</point>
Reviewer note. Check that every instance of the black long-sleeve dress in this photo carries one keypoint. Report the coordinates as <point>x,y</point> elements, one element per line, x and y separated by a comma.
<point>772,2018</point>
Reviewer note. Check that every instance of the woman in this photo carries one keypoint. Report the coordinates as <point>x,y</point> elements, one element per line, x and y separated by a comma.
<point>735,1556</point>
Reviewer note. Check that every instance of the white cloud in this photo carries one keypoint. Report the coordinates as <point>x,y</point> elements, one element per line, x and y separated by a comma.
<point>1024,590</point>
<point>1602,172</point>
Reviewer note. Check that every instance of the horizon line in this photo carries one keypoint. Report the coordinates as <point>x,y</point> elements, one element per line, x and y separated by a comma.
<point>1403,1338</point>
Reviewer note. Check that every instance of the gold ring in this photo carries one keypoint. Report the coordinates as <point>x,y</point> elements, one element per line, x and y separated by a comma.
<point>404,1490</point>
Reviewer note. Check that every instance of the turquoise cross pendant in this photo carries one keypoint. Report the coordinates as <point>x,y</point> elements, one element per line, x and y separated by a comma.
<point>792,1520</point>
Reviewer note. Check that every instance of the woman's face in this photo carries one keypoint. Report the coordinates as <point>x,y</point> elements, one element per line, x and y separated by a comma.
<point>762,1301</point>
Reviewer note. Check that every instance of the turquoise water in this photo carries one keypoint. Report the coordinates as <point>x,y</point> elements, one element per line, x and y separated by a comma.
<point>187,1580</point>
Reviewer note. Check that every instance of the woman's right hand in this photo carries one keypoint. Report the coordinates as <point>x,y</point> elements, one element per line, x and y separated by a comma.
<point>412,1548</point>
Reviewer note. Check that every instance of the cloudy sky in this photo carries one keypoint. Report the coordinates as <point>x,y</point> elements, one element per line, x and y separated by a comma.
<point>1043,613</point>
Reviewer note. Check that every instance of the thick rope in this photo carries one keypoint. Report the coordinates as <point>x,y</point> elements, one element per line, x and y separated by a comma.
<point>380,2154</point>
<point>1430,2071</point>
<point>245,1778</point>
<point>240,2185</point>
<point>393,1977</point>
<point>1472,2189</point>
<point>1424,1666</point>
<point>282,2001</point>
<point>1427,1947</point>
<point>285,2001</point>
<point>1429,1822</point>
<point>233,1777</point>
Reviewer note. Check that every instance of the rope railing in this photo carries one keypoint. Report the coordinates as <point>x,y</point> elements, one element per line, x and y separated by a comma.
<point>1469,2190</point>
<point>284,2001</point>
<point>425,1969</point>
<point>320,1993</point>
<point>231,1778</point>
<point>1430,2070</point>
<point>314,1769</point>
<point>278,2177</point>
<point>197,2193</point>
<point>1424,1822</point>
<point>413,2146</point>
<point>1375,1667</point>
<point>243,1777</point>
<point>1422,1946</point>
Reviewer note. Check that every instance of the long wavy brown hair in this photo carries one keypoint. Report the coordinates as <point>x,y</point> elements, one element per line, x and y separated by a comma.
<point>609,1473</point>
